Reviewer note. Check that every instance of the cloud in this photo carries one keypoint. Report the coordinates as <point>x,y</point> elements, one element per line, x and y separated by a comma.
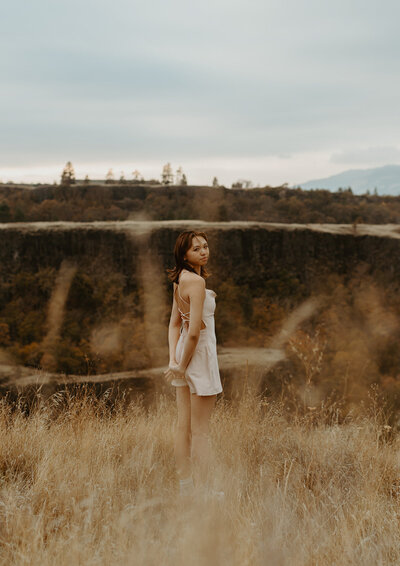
<point>87,81</point>
<point>370,155</point>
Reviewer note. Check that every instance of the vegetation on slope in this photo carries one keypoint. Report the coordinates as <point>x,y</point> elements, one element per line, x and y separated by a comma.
<point>122,202</point>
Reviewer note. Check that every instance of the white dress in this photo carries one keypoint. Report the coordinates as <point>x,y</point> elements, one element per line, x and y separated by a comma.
<point>202,374</point>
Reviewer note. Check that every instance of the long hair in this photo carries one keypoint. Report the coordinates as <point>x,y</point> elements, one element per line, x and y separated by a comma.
<point>182,245</point>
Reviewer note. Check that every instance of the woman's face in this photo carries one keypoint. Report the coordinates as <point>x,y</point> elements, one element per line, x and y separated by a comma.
<point>198,253</point>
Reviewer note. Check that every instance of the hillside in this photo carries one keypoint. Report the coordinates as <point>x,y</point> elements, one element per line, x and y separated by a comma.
<point>144,202</point>
<point>385,180</point>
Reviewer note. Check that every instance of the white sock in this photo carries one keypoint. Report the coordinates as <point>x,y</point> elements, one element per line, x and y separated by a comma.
<point>186,486</point>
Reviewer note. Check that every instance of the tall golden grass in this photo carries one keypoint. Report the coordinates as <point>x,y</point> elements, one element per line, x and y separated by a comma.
<point>86,481</point>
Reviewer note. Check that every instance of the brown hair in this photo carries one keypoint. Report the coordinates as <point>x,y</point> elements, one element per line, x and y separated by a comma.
<point>182,245</point>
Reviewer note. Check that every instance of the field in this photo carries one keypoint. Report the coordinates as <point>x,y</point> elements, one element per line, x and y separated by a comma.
<point>89,481</point>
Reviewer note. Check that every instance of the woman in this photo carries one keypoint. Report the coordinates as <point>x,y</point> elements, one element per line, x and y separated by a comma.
<point>193,365</point>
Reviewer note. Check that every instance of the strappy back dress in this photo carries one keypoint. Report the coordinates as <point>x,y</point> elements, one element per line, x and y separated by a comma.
<point>202,374</point>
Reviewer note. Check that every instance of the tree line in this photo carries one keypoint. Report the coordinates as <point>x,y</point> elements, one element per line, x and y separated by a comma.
<point>168,177</point>
<point>151,200</point>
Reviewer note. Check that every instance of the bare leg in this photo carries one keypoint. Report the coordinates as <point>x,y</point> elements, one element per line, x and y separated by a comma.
<point>183,435</point>
<point>201,409</point>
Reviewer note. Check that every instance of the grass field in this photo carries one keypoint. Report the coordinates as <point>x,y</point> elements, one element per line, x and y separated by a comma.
<point>85,481</point>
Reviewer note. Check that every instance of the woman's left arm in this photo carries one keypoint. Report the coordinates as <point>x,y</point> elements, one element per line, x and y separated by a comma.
<point>173,330</point>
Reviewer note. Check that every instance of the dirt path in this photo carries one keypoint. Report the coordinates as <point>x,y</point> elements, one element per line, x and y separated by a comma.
<point>145,226</point>
<point>228,358</point>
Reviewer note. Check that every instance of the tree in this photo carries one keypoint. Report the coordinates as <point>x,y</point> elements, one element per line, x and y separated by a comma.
<point>110,177</point>
<point>237,185</point>
<point>178,176</point>
<point>86,180</point>
<point>5,213</point>
<point>137,176</point>
<point>167,177</point>
<point>19,215</point>
<point>215,183</point>
<point>122,178</point>
<point>68,175</point>
<point>242,184</point>
<point>4,334</point>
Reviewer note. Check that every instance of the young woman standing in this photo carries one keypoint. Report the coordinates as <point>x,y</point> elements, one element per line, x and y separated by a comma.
<point>193,365</point>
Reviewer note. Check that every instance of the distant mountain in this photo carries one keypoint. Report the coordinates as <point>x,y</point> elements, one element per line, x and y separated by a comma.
<point>385,179</point>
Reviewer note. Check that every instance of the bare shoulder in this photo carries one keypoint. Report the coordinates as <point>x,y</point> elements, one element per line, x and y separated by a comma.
<point>192,281</point>
<point>189,276</point>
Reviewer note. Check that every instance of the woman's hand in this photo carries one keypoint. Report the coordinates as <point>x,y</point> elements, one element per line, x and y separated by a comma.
<point>174,371</point>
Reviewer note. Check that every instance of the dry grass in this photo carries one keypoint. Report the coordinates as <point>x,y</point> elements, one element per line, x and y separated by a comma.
<point>85,482</point>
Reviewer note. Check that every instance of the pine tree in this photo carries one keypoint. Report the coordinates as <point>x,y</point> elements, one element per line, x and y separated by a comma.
<point>68,175</point>
<point>137,176</point>
<point>167,176</point>
<point>178,176</point>
<point>110,177</point>
<point>215,183</point>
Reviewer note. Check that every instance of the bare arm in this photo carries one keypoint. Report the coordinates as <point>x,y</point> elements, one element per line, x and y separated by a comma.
<point>173,331</point>
<point>195,288</point>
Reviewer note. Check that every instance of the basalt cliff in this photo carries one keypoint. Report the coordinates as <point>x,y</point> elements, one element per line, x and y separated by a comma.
<point>111,282</point>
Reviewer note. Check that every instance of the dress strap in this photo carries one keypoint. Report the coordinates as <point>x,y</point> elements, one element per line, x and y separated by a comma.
<point>179,293</point>
<point>183,314</point>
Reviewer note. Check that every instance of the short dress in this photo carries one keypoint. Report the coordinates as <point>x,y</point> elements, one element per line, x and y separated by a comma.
<point>202,374</point>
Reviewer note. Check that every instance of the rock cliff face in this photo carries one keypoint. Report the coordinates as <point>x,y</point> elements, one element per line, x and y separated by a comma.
<point>290,261</point>
<point>248,252</point>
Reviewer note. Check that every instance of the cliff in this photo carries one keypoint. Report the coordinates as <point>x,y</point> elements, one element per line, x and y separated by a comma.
<point>248,252</point>
<point>102,308</point>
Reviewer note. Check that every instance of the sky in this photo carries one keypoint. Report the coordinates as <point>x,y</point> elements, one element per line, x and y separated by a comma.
<point>271,91</point>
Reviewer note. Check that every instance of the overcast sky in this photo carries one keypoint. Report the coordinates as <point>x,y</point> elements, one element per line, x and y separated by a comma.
<point>272,91</point>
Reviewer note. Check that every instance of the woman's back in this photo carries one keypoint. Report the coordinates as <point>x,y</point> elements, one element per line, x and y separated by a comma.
<point>202,374</point>
<point>208,308</point>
